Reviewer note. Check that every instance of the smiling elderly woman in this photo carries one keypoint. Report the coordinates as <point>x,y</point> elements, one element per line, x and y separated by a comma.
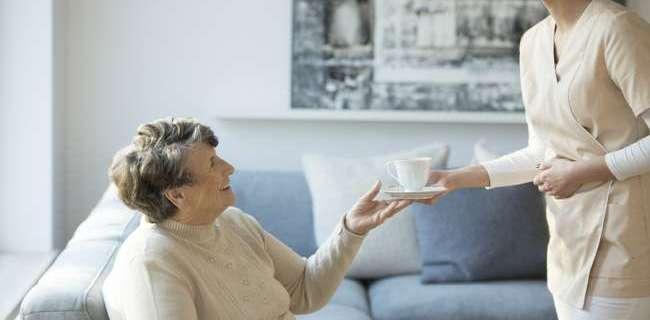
<point>194,256</point>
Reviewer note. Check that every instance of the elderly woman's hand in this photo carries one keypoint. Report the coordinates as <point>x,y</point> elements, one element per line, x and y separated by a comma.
<point>558,178</point>
<point>368,213</point>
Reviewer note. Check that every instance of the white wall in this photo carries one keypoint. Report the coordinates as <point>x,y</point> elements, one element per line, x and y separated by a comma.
<point>129,62</point>
<point>26,125</point>
<point>58,119</point>
<point>640,6</point>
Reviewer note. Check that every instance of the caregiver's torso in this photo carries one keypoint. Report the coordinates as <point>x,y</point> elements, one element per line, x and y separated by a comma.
<point>600,241</point>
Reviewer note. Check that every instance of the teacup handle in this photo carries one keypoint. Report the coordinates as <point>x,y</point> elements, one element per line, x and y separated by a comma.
<point>390,168</point>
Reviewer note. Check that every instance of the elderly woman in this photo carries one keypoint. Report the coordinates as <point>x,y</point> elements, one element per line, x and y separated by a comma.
<point>194,256</point>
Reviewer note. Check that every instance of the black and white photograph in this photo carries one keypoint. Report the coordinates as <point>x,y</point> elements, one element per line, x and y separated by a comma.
<point>409,55</point>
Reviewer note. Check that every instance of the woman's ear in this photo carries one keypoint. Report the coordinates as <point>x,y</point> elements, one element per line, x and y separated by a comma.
<point>176,196</point>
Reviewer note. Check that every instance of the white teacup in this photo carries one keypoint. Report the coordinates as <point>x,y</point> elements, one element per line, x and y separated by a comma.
<point>411,174</point>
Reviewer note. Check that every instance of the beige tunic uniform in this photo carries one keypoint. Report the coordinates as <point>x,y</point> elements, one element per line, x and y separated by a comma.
<point>584,107</point>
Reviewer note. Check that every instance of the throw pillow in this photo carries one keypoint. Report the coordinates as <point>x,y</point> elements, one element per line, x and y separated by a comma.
<point>337,183</point>
<point>482,153</point>
<point>478,234</point>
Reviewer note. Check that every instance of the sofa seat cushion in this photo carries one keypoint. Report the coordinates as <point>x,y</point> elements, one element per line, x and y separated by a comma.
<point>348,303</point>
<point>351,293</point>
<point>335,312</point>
<point>405,297</point>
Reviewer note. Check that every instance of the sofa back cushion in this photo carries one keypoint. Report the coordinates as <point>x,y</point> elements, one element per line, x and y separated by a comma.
<point>478,234</point>
<point>281,202</point>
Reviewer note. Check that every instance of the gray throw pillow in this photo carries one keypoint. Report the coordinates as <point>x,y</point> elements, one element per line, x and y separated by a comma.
<point>478,234</point>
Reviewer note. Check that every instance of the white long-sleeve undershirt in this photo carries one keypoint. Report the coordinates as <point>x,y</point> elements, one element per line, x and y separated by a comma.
<point>520,166</point>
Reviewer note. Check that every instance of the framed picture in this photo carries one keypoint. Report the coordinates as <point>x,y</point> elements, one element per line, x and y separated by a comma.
<point>442,60</point>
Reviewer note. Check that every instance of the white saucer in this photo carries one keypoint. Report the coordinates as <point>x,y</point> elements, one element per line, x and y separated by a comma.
<point>398,192</point>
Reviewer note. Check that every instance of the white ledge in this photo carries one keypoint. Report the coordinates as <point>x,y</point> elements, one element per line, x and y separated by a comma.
<point>380,116</point>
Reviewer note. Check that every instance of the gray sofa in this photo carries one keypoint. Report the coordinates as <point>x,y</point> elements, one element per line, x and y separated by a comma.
<point>71,288</point>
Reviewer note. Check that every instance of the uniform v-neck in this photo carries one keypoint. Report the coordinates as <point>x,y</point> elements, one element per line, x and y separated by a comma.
<point>584,16</point>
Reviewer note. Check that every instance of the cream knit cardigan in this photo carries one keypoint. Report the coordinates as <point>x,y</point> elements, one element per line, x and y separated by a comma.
<point>230,270</point>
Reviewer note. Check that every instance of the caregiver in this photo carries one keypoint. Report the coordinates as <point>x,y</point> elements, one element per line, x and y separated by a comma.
<point>585,75</point>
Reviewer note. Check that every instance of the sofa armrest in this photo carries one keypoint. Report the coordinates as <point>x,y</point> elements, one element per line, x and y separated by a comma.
<point>71,288</point>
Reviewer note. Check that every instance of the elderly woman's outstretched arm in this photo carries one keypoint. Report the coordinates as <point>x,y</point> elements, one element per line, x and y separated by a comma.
<point>311,282</point>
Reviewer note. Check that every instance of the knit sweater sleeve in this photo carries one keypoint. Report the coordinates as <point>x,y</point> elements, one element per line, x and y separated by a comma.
<point>153,290</point>
<point>311,282</point>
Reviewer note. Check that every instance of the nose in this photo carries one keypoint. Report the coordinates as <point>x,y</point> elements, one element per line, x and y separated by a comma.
<point>229,169</point>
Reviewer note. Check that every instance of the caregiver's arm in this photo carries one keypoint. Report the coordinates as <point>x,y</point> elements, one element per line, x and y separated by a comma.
<point>632,160</point>
<point>562,179</point>
<point>628,64</point>
<point>622,164</point>
<point>511,169</point>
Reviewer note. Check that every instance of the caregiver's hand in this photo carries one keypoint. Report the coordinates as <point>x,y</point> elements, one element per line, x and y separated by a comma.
<point>368,213</point>
<point>434,199</point>
<point>468,177</point>
<point>558,178</point>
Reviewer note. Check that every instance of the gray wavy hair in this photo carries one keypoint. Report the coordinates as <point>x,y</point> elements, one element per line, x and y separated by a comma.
<point>155,162</point>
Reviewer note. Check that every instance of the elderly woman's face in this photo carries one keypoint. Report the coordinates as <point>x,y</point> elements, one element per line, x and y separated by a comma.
<point>210,193</point>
